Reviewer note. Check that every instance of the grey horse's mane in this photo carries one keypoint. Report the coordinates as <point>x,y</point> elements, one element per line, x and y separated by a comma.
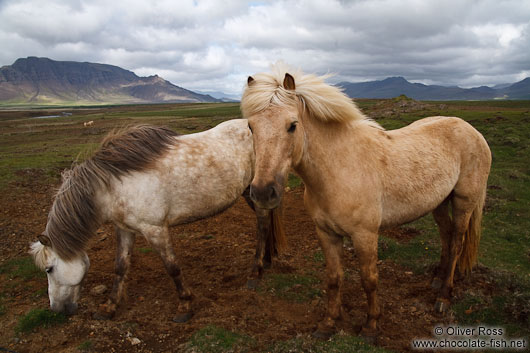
<point>74,218</point>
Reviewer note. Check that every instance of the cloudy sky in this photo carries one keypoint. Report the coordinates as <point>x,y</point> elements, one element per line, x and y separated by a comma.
<point>216,44</point>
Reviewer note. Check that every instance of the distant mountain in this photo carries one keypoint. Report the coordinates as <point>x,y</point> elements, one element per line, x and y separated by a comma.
<point>395,86</point>
<point>225,97</point>
<point>521,89</point>
<point>42,80</point>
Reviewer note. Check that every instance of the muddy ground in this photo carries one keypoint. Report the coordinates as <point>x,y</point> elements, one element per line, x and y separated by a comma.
<point>215,256</point>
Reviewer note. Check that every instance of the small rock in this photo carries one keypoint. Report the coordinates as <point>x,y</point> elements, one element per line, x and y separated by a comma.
<point>408,273</point>
<point>134,341</point>
<point>97,290</point>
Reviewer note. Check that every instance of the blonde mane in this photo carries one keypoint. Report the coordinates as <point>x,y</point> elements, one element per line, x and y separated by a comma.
<point>323,101</point>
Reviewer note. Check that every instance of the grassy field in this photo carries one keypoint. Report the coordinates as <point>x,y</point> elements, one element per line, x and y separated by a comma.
<point>52,144</point>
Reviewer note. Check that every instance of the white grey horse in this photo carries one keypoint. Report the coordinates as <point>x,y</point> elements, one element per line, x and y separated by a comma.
<point>143,180</point>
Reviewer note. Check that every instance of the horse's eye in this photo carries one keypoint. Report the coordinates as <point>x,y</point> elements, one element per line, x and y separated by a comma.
<point>49,269</point>
<point>292,128</point>
<point>249,128</point>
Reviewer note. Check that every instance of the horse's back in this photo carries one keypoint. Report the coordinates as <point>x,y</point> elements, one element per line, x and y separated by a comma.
<point>201,175</point>
<point>448,134</point>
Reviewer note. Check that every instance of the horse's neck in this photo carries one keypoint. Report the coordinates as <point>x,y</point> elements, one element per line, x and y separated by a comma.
<point>103,199</point>
<point>328,146</point>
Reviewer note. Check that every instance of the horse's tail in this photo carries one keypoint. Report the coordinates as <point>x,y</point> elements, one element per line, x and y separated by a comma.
<point>469,254</point>
<point>276,240</point>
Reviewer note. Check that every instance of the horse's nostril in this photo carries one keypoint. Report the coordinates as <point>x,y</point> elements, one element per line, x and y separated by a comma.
<point>272,193</point>
<point>253,193</point>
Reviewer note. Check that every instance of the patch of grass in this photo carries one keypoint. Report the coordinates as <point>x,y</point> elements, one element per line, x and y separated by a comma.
<point>337,344</point>
<point>293,287</point>
<point>85,346</point>
<point>22,268</point>
<point>294,181</point>
<point>213,339</point>
<point>318,257</point>
<point>508,308</point>
<point>416,254</point>
<point>145,250</point>
<point>188,110</point>
<point>39,318</point>
<point>39,293</point>
<point>492,312</point>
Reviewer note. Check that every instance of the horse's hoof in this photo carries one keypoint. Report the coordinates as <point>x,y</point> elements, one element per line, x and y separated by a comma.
<point>183,318</point>
<point>252,283</point>
<point>436,283</point>
<point>105,312</point>
<point>441,306</point>
<point>322,334</point>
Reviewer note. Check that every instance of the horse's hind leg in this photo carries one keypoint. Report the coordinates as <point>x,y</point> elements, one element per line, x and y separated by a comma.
<point>125,242</point>
<point>443,220</point>
<point>160,240</point>
<point>462,211</point>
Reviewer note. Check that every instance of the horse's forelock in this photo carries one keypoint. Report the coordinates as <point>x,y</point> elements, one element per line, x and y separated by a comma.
<point>40,254</point>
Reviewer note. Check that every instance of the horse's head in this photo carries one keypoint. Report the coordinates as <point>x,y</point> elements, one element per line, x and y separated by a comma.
<point>278,140</point>
<point>64,277</point>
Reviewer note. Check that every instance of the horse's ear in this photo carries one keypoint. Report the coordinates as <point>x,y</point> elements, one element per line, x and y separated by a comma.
<point>44,240</point>
<point>250,80</point>
<point>288,82</point>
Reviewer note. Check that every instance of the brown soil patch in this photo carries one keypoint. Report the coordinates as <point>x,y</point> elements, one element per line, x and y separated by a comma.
<point>216,268</point>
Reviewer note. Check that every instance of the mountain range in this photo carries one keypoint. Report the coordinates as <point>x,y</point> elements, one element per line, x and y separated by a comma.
<point>43,81</point>
<point>35,80</point>
<point>394,86</point>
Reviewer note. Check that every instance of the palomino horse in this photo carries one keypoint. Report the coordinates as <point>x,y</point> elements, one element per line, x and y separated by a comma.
<point>360,178</point>
<point>144,179</point>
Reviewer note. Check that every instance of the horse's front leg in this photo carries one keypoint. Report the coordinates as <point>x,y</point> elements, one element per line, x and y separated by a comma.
<point>365,243</point>
<point>262,256</point>
<point>159,238</point>
<point>331,244</point>
<point>263,230</point>
<point>125,242</point>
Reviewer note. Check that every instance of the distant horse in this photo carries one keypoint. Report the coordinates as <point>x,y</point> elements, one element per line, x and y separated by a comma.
<point>360,178</point>
<point>143,180</point>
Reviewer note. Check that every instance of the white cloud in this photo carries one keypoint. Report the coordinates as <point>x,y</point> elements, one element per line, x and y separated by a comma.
<point>214,45</point>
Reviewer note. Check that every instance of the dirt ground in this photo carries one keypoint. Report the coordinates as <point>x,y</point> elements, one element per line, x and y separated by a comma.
<point>215,255</point>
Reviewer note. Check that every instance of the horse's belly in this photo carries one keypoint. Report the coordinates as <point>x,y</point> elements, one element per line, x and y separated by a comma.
<point>402,207</point>
<point>202,201</point>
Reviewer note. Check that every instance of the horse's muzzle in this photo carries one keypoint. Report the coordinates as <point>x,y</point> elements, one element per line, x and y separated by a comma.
<point>67,309</point>
<point>267,196</point>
